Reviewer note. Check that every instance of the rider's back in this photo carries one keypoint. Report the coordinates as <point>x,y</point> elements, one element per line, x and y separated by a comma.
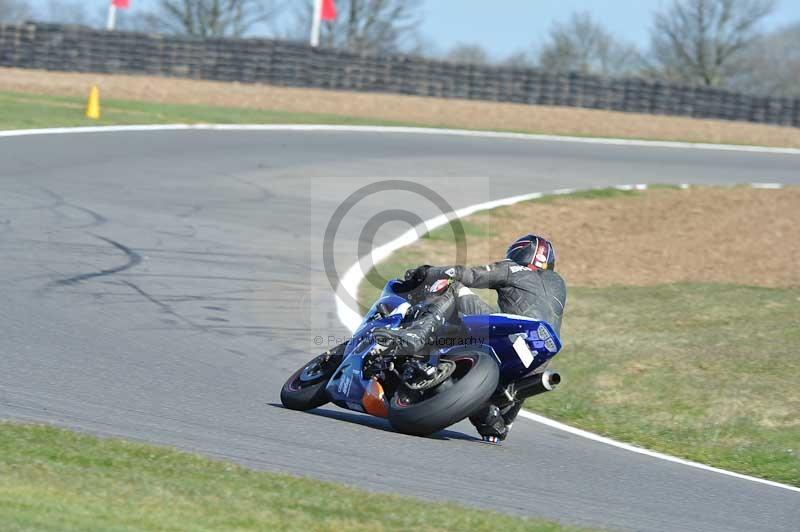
<point>535,293</point>
<point>539,294</point>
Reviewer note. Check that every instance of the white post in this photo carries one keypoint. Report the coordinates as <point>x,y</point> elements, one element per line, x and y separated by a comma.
<point>112,16</point>
<point>316,22</point>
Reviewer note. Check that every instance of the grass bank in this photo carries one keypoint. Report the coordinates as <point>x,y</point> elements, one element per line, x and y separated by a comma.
<point>703,370</point>
<point>24,111</point>
<point>52,479</point>
<point>708,372</point>
<point>374,108</point>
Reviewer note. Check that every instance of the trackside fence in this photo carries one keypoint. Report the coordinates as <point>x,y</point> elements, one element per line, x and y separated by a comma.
<point>81,49</point>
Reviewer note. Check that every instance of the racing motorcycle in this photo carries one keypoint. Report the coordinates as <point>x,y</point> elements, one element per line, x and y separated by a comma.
<point>495,357</point>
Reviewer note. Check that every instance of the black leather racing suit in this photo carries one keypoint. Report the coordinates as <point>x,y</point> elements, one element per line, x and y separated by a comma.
<point>538,294</point>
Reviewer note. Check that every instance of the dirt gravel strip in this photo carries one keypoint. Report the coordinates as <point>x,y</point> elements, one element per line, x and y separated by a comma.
<point>415,110</point>
<point>668,242</point>
<point>748,235</point>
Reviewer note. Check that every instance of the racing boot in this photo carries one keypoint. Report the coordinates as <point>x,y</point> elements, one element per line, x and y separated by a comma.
<point>494,423</point>
<point>414,337</point>
<point>490,424</point>
<point>509,414</point>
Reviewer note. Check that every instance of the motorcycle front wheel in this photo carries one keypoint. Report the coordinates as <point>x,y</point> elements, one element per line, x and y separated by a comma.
<point>305,389</point>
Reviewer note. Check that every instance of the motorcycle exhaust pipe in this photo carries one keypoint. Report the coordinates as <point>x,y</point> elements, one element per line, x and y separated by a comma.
<point>536,384</point>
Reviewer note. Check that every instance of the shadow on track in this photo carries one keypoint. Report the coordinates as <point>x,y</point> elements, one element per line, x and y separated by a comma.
<point>378,423</point>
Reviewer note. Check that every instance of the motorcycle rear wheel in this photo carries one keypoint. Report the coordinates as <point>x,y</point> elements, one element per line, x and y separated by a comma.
<point>465,392</point>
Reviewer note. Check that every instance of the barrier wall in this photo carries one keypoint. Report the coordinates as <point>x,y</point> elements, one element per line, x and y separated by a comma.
<point>81,49</point>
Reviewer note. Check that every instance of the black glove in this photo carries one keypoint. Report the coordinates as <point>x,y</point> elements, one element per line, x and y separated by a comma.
<point>418,275</point>
<point>414,279</point>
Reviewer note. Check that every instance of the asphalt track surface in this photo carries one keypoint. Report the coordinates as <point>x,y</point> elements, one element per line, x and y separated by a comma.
<point>161,286</point>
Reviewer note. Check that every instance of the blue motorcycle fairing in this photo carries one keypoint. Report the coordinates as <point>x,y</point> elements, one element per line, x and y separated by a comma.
<point>519,344</point>
<point>347,386</point>
<point>388,301</point>
<point>500,331</point>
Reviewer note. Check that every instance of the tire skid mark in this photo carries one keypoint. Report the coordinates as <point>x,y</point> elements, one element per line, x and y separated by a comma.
<point>190,232</point>
<point>166,309</point>
<point>97,218</point>
<point>133,259</point>
<point>265,195</point>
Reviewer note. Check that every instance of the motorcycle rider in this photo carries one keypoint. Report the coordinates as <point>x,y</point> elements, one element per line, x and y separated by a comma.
<point>526,285</point>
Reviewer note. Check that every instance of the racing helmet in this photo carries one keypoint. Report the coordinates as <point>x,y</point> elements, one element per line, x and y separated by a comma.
<point>534,252</point>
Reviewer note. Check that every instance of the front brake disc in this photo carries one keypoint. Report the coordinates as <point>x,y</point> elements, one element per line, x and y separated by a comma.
<point>444,370</point>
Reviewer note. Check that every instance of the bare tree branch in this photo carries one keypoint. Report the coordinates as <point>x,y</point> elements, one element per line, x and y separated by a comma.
<point>701,41</point>
<point>519,59</point>
<point>771,65</point>
<point>375,26</point>
<point>216,18</point>
<point>471,54</point>
<point>582,45</point>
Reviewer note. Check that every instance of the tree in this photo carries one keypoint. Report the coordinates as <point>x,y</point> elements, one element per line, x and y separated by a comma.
<point>374,26</point>
<point>215,18</point>
<point>582,45</point>
<point>471,54</point>
<point>518,59</point>
<point>13,11</point>
<point>145,21</point>
<point>703,41</point>
<point>771,66</point>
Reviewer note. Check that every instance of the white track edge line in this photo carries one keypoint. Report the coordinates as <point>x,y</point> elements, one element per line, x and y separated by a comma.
<point>401,129</point>
<point>353,276</point>
<point>641,450</point>
<point>352,319</point>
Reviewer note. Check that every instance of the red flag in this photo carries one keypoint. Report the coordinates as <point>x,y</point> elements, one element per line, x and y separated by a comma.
<point>328,10</point>
<point>121,4</point>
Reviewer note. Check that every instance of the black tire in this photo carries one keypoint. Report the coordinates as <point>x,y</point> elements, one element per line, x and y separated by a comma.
<point>303,391</point>
<point>473,383</point>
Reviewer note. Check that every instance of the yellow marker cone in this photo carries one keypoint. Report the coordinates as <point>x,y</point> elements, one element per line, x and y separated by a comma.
<point>93,106</point>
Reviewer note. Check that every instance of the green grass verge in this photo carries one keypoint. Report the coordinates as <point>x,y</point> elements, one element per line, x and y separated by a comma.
<point>447,231</point>
<point>23,111</point>
<point>52,479</point>
<point>708,372</point>
<point>591,193</point>
<point>704,371</point>
<point>20,110</point>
